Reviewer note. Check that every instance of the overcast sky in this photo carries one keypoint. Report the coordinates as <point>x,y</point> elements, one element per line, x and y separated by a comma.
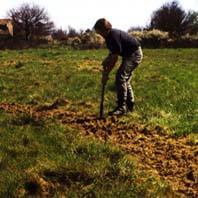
<point>82,14</point>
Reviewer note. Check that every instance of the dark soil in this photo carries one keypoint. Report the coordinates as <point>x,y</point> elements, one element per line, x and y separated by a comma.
<point>173,159</point>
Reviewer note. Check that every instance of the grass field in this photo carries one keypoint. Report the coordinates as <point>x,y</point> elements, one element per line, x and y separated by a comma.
<point>165,83</point>
<point>41,156</point>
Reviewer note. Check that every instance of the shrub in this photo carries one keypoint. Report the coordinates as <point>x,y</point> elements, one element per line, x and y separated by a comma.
<point>159,39</point>
<point>74,41</point>
<point>86,40</point>
<point>91,40</point>
<point>186,41</point>
<point>153,38</point>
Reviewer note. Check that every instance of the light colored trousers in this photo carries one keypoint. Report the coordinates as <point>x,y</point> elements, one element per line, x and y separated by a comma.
<point>125,95</point>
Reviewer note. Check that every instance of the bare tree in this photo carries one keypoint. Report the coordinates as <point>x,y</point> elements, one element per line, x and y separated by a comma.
<point>170,18</point>
<point>30,21</point>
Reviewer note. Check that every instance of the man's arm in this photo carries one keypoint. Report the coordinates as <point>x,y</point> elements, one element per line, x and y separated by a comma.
<point>108,64</point>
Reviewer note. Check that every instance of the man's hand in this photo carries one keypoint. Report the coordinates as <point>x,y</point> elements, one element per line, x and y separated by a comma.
<point>109,62</point>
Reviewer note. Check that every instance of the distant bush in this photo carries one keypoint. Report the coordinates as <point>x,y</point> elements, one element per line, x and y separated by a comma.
<point>148,39</point>
<point>91,40</point>
<point>18,43</point>
<point>187,41</point>
<point>59,35</point>
<point>159,39</point>
<point>74,41</point>
<point>153,38</point>
<point>86,40</point>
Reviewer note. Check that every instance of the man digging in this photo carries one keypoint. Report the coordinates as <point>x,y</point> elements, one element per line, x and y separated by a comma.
<point>121,44</point>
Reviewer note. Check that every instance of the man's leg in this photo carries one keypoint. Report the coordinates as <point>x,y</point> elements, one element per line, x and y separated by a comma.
<point>136,58</point>
<point>125,94</point>
<point>130,96</point>
<point>122,77</point>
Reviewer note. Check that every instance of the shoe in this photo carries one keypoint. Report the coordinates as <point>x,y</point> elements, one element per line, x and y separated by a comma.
<point>119,111</point>
<point>130,106</point>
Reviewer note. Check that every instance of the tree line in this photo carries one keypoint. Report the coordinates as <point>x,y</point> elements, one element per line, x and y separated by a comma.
<point>32,22</point>
<point>173,19</point>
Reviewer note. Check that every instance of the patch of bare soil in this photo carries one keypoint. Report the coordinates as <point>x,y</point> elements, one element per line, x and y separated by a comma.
<point>173,159</point>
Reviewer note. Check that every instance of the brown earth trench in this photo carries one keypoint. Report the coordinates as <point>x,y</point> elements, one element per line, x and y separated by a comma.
<point>173,159</point>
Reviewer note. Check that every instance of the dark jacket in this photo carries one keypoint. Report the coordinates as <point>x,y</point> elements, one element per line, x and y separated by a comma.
<point>120,42</point>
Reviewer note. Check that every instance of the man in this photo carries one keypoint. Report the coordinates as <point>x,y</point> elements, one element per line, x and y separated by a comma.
<point>121,44</point>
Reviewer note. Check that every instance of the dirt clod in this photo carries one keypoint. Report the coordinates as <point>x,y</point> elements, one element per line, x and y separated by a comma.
<point>173,159</point>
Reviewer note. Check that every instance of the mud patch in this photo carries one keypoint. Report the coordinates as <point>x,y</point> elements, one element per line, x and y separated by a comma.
<point>175,160</point>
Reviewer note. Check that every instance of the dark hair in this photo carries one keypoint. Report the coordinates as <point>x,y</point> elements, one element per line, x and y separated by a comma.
<point>102,24</point>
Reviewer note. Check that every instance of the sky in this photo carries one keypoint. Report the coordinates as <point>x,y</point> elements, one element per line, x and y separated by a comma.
<point>82,14</point>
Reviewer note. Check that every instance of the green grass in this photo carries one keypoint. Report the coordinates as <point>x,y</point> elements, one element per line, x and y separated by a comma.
<point>167,92</point>
<point>164,84</point>
<point>38,156</point>
<point>45,74</point>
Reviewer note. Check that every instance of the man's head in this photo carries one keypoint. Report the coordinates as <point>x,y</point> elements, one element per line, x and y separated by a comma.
<point>102,27</point>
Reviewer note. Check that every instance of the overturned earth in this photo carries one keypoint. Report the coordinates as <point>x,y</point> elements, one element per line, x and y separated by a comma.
<point>175,160</point>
